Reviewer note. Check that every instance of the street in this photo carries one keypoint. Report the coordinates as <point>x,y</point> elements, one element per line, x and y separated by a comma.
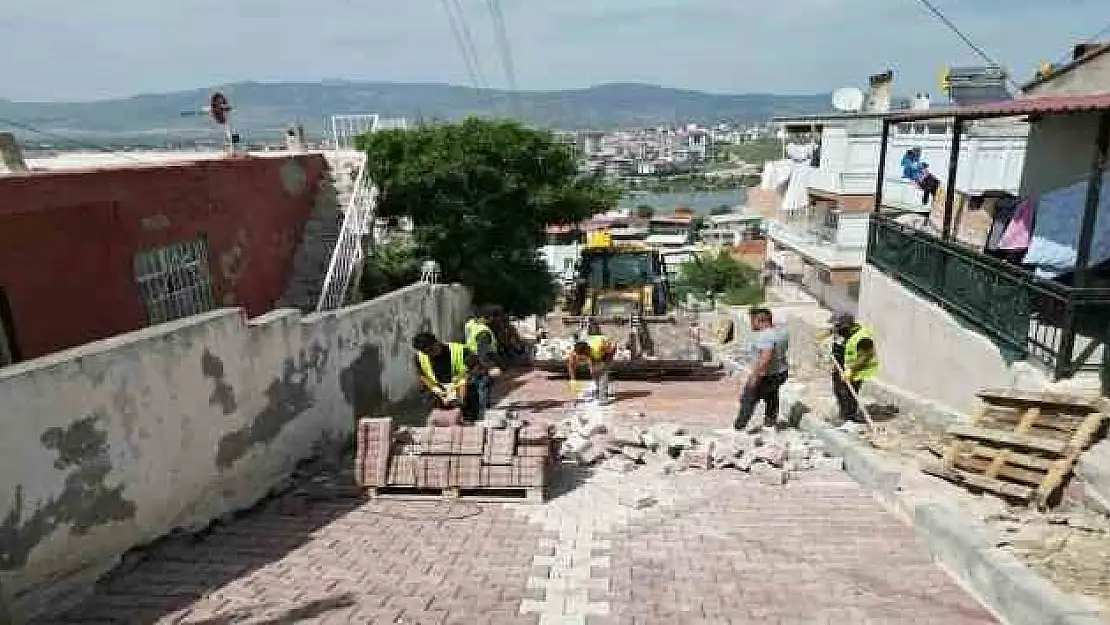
<point>707,547</point>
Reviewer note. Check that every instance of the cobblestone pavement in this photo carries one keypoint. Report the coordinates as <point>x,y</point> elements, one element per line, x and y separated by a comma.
<point>641,547</point>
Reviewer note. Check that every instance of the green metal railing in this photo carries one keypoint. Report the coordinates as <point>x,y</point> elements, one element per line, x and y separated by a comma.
<point>1026,316</point>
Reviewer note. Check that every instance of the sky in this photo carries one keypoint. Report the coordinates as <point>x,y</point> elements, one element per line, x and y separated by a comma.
<point>69,50</point>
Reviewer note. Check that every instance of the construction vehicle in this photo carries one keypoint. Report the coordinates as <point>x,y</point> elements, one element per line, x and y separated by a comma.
<point>621,290</point>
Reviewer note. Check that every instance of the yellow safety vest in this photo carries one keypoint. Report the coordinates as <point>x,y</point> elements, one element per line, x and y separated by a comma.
<point>851,355</point>
<point>458,363</point>
<point>473,330</point>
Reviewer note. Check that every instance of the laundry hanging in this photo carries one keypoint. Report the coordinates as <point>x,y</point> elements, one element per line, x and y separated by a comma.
<point>1059,215</point>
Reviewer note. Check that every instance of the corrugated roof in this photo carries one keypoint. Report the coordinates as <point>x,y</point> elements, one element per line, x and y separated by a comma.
<point>1013,108</point>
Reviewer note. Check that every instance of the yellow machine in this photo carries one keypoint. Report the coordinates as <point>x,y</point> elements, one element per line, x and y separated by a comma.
<point>622,290</point>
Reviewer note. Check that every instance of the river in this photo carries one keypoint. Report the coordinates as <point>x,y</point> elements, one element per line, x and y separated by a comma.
<point>701,202</point>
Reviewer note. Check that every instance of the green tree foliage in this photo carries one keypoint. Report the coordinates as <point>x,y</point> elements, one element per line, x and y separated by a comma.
<point>389,267</point>
<point>736,282</point>
<point>480,194</point>
<point>721,209</point>
<point>645,211</point>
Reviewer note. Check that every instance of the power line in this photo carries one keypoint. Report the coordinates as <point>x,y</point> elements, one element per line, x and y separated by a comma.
<point>460,43</point>
<point>504,50</point>
<point>468,39</point>
<point>965,38</point>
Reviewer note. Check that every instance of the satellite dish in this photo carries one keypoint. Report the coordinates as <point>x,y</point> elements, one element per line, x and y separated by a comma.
<point>847,99</point>
<point>219,107</point>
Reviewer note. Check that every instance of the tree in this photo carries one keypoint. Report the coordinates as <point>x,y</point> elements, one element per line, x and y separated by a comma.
<point>645,211</point>
<point>389,267</point>
<point>480,194</point>
<point>721,209</point>
<point>737,282</point>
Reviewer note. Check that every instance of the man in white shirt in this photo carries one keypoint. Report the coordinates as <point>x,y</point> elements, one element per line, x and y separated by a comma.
<point>770,370</point>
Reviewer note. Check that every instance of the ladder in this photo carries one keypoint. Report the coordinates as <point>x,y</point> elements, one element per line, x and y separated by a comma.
<point>351,246</point>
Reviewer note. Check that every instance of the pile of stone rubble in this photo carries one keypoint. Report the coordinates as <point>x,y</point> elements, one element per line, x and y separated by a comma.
<point>558,348</point>
<point>596,436</point>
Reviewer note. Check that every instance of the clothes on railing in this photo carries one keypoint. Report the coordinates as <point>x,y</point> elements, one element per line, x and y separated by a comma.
<point>917,170</point>
<point>1059,215</point>
<point>1019,227</point>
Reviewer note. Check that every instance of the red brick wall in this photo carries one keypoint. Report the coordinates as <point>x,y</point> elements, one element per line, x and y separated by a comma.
<point>68,239</point>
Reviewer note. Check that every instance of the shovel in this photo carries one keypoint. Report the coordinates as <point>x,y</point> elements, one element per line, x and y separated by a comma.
<point>859,402</point>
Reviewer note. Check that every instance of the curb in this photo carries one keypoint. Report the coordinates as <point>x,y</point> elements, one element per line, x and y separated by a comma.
<point>959,541</point>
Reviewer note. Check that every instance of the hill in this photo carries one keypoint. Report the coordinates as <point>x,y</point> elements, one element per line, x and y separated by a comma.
<point>270,107</point>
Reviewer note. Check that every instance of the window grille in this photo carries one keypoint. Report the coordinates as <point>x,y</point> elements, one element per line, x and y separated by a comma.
<point>174,281</point>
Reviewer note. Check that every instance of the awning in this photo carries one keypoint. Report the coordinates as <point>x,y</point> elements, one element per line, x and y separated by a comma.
<point>1034,105</point>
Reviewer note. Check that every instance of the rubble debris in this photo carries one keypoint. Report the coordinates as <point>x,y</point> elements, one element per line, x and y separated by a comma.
<point>596,435</point>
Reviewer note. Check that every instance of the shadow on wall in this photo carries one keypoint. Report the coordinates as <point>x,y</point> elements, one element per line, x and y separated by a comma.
<point>118,442</point>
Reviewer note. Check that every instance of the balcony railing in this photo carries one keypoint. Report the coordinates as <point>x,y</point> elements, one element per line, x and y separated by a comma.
<point>1063,327</point>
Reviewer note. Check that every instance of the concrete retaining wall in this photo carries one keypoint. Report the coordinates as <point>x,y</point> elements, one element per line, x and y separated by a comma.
<point>113,444</point>
<point>928,352</point>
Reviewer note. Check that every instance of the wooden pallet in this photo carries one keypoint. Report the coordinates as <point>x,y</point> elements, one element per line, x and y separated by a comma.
<point>532,494</point>
<point>1021,445</point>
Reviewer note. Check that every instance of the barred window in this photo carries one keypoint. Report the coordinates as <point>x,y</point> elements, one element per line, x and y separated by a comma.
<point>175,281</point>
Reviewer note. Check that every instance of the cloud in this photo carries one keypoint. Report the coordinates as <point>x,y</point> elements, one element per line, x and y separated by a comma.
<point>83,50</point>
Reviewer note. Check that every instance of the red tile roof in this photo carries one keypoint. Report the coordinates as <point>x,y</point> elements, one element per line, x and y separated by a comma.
<point>1013,108</point>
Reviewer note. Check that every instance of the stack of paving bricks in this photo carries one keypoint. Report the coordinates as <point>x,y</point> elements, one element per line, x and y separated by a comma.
<point>454,461</point>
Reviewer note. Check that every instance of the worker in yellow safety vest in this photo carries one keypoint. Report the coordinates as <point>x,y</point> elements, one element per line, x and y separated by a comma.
<point>452,372</point>
<point>597,352</point>
<point>480,338</point>
<point>856,362</point>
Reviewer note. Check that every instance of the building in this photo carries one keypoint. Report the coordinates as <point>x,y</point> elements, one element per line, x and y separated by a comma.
<point>816,203</point>
<point>89,252</point>
<point>1028,309</point>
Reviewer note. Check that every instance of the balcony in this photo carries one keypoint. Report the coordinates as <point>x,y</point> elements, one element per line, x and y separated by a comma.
<point>1030,318</point>
<point>833,239</point>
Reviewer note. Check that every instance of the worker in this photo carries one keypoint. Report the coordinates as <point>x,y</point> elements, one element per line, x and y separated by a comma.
<point>480,338</point>
<point>769,345</point>
<point>454,374</point>
<point>856,359</point>
<point>597,352</point>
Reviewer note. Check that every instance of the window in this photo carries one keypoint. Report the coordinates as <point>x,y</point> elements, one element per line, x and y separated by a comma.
<point>174,281</point>
<point>937,129</point>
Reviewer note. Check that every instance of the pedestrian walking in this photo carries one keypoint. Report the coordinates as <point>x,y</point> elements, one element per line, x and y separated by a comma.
<point>769,345</point>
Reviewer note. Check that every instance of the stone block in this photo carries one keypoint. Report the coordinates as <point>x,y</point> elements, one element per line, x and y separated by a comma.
<point>500,446</point>
<point>497,476</point>
<point>625,435</point>
<point>470,441</point>
<point>403,470</point>
<point>434,472</point>
<point>372,450</point>
<point>529,472</point>
<point>826,462</point>
<point>774,454</point>
<point>773,477</point>
<point>699,457</point>
<point>466,471</point>
<point>590,454</point>
<point>634,453</point>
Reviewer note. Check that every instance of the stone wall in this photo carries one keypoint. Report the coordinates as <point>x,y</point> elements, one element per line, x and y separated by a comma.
<point>110,445</point>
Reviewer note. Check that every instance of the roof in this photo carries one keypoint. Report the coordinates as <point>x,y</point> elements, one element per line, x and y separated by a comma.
<point>1067,67</point>
<point>826,117</point>
<point>1033,105</point>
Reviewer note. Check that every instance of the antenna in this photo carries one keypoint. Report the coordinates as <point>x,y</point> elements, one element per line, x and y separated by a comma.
<point>847,99</point>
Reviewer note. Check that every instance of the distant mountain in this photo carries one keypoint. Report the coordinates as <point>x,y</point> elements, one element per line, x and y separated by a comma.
<point>264,108</point>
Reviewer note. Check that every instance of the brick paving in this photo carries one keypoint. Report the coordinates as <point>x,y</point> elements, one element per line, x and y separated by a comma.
<point>713,547</point>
